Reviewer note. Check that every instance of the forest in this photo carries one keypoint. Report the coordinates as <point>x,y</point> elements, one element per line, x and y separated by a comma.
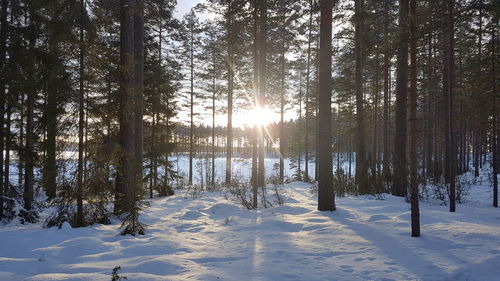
<point>233,122</point>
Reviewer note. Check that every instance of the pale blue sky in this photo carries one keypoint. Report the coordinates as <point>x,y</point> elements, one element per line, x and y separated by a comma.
<point>183,6</point>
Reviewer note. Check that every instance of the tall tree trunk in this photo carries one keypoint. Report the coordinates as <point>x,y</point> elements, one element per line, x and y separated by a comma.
<point>214,94</point>
<point>282,101</point>
<point>81,124</point>
<point>254,133</point>
<point>191,101</point>
<point>399,184</point>
<point>50,165</point>
<point>317,125</point>
<point>361,169</point>
<point>376,114</point>
<point>477,122</point>
<point>306,101</point>
<point>430,122</point>
<point>155,121</point>
<point>299,123</point>
<point>126,175</point>
<point>30,137</point>
<point>153,156</point>
<point>138,88</point>
<point>8,138</point>
<point>261,177</point>
<point>495,117</point>
<point>415,213</point>
<point>3,54</point>
<point>386,166</point>
<point>20,164</point>
<point>448,63</point>
<point>339,138</point>
<point>349,173</point>
<point>229,136</point>
<point>326,196</point>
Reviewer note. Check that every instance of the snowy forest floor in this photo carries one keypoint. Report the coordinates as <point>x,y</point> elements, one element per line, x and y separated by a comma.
<point>214,238</point>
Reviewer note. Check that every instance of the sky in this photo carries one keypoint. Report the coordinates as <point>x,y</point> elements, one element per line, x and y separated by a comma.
<point>241,118</point>
<point>183,6</point>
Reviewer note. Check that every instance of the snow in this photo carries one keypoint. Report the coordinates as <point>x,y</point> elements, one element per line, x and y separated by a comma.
<point>213,238</point>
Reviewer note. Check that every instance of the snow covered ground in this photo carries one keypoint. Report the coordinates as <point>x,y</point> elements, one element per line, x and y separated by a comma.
<point>214,238</point>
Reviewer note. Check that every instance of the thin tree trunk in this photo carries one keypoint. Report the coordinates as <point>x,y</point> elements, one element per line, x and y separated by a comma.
<point>139,87</point>
<point>229,137</point>
<point>214,92</point>
<point>20,165</point>
<point>448,62</point>
<point>153,152</point>
<point>350,150</point>
<point>375,114</point>
<point>299,148</point>
<point>400,164</point>
<point>8,139</point>
<point>361,168</point>
<point>306,101</point>
<point>282,103</point>
<point>317,125</point>
<point>254,133</point>
<point>430,122</point>
<point>476,102</point>
<point>81,120</point>
<point>415,213</point>
<point>261,177</point>
<point>50,165</point>
<point>191,103</point>
<point>30,101</point>
<point>3,54</point>
<point>495,119</point>
<point>386,160</point>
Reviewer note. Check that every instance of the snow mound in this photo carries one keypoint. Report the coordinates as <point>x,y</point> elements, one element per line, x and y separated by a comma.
<point>376,218</point>
<point>191,215</point>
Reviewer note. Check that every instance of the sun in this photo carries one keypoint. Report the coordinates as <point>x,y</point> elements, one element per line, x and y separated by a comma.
<point>258,116</point>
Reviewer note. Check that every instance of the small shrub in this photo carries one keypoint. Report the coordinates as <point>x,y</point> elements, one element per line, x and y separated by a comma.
<point>239,190</point>
<point>227,220</point>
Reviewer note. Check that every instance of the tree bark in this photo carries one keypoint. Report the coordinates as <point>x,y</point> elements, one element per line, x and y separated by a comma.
<point>306,98</point>
<point>255,98</point>
<point>81,124</point>
<point>386,160</point>
<point>400,165</point>
<point>191,100</point>
<point>477,122</point>
<point>282,101</point>
<point>30,137</point>
<point>495,118</point>
<point>125,175</point>
<point>229,136</point>
<point>3,54</point>
<point>448,63</point>
<point>326,196</point>
<point>139,89</point>
<point>361,167</point>
<point>415,213</point>
<point>261,177</point>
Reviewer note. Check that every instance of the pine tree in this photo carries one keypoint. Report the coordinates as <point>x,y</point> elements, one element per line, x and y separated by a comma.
<point>399,183</point>
<point>415,215</point>
<point>448,81</point>
<point>361,167</point>
<point>326,197</point>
